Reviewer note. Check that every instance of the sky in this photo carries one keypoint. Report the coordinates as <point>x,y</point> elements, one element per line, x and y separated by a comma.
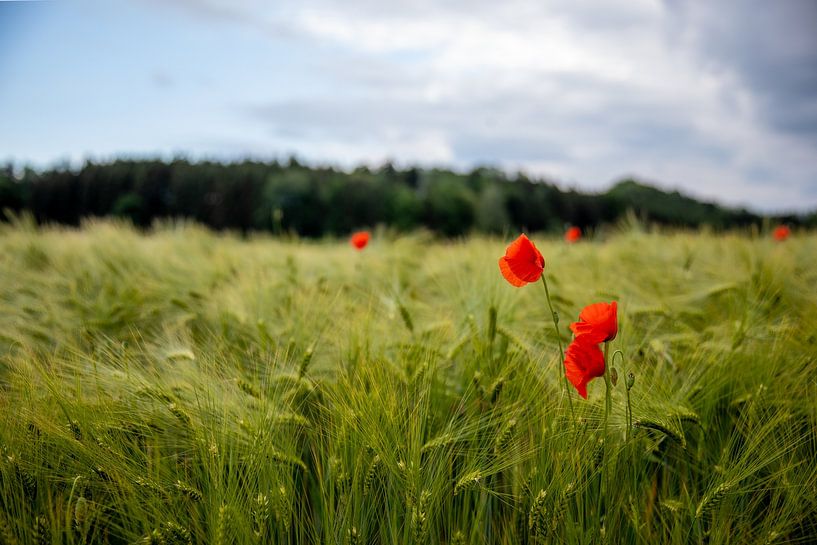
<point>716,99</point>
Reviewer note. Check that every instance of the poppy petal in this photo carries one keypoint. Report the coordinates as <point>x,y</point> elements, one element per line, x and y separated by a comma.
<point>506,271</point>
<point>524,259</point>
<point>599,322</point>
<point>581,387</point>
<point>587,332</point>
<point>524,250</point>
<point>584,361</point>
<point>576,378</point>
<point>594,313</point>
<point>522,262</point>
<point>525,270</point>
<point>521,248</point>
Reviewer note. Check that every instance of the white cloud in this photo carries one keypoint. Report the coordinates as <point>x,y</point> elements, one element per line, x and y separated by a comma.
<point>583,91</point>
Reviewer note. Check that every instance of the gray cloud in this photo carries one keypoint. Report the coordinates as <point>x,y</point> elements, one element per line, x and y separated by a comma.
<point>770,46</point>
<point>517,126</point>
<point>718,98</point>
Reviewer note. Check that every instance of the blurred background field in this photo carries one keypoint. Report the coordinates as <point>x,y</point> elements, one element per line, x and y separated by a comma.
<point>176,385</point>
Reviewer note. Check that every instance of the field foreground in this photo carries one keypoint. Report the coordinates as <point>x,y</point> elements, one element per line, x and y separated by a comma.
<point>185,387</point>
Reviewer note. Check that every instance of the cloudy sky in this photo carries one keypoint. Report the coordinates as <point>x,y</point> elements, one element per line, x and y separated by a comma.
<point>718,99</point>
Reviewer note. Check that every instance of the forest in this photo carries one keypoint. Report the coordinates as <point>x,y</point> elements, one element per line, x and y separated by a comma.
<point>315,201</point>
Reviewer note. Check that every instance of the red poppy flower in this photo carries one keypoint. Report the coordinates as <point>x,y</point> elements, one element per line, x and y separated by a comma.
<point>583,362</point>
<point>573,235</point>
<point>597,323</point>
<point>522,262</point>
<point>360,239</point>
<point>781,233</point>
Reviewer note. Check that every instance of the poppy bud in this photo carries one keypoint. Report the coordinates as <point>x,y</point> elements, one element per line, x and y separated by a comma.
<point>630,380</point>
<point>613,376</point>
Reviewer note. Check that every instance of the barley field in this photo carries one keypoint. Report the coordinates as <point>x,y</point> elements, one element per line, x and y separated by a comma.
<point>181,386</point>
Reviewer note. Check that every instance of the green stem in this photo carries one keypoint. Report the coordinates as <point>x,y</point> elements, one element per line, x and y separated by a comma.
<point>563,376</point>
<point>68,514</point>
<point>608,404</point>
<point>608,401</point>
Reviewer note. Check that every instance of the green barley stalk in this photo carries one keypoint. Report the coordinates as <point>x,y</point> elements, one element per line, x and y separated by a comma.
<point>712,499</point>
<point>248,388</point>
<point>179,413</point>
<point>504,437</point>
<point>663,427</point>
<point>419,517</point>
<point>223,522</point>
<point>172,533</point>
<point>41,532</point>
<point>282,507</point>
<point>495,389</point>
<point>260,515</point>
<point>537,518</point>
<point>468,481</point>
<point>406,316</point>
<point>188,491</point>
<point>306,359</point>
<point>491,324</point>
<point>371,475</point>
<point>6,532</point>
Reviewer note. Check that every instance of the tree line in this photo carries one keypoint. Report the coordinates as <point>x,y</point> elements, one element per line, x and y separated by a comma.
<point>315,201</point>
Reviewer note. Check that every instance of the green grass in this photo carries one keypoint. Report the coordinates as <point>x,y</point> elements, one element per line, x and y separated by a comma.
<point>186,387</point>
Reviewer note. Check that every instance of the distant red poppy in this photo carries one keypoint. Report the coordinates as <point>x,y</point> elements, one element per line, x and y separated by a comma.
<point>781,233</point>
<point>584,361</point>
<point>360,239</point>
<point>597,323</point>
<point>573,235</point>
<point>522,262</point>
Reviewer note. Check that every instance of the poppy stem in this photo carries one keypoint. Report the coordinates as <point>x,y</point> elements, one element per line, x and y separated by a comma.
<point>563,376</point>
<point>608,404</point>
<point>608,390</point>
